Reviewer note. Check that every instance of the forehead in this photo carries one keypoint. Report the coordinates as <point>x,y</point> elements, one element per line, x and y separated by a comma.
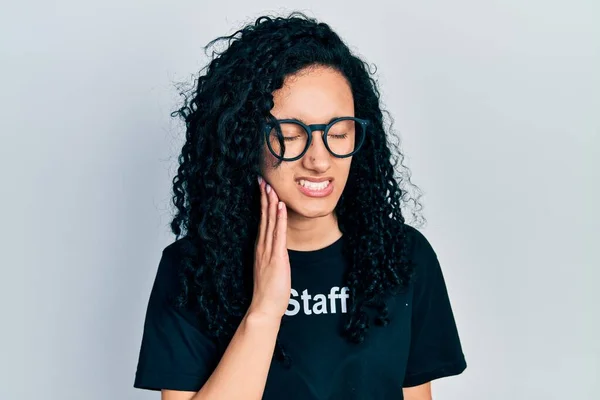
<point>314,95</point>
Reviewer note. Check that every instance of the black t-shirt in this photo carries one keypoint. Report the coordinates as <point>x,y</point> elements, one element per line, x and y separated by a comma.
<point>419,344</point>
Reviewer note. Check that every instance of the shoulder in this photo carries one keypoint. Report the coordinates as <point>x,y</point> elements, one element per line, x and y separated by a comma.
<point>424,260</point>
<point>178,248</point>
<point>420,248</point>
<point>174,253</point>
<point>171,266</point>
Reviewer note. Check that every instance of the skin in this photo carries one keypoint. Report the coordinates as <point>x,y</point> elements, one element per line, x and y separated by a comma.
<point>314,95</point>
<point>421,392</point>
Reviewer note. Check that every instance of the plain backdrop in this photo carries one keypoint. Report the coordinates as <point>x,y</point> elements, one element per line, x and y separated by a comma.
<point>497,105</point>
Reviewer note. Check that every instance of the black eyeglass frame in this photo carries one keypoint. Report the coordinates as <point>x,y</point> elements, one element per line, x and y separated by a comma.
<point>316,127</point>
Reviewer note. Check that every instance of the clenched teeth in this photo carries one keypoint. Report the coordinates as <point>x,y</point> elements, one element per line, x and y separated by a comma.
<point>313,185</point>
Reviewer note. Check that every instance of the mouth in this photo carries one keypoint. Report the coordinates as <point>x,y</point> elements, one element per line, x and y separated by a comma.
<point>315,188</point>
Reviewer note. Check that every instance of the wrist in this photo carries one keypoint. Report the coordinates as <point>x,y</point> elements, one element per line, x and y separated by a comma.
<point>257,317</point>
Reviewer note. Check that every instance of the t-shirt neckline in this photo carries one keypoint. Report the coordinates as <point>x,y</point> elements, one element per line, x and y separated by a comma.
<point>314,256</point>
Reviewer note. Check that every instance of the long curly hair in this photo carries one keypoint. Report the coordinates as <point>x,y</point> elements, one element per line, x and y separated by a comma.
<point>216,195</point>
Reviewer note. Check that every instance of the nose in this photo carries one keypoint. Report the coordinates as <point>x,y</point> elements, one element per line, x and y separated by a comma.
<point>317,157</point>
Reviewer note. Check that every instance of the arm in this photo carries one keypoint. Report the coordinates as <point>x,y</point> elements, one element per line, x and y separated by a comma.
<point>242,371</point>
<point>421,392</point>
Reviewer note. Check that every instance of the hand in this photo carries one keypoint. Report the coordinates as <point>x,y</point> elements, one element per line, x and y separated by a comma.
<point>272,275</point>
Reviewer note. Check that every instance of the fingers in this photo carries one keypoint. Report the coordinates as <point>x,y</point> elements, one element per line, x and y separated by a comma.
<point>260,241</point>
<point>280,236</point>
<point>271,218</point>
<point>272,232</point>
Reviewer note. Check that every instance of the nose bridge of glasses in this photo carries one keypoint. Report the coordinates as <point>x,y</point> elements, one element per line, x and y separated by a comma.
<point>314,128</point>
<point>317,127</point>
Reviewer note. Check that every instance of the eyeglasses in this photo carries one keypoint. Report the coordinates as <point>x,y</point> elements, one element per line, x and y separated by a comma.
<point>289,139</point>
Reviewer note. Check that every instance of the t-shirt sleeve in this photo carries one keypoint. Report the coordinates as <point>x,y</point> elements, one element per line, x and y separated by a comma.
<point>174,353</point>
<point>435,348</point>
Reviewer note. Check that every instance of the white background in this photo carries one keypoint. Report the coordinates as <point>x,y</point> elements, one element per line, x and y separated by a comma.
<point>497,104</point>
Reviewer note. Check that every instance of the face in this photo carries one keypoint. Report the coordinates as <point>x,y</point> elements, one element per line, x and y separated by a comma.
<point>314,95</point>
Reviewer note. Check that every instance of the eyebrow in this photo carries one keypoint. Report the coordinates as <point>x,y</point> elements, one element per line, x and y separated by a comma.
<point>304,122</point>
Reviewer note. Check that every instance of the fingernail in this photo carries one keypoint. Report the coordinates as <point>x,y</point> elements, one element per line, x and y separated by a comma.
<point>280,205</point>
<point>259,179</point>
<point>268,188</point>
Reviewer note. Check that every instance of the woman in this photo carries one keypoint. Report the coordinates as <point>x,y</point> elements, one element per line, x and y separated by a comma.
<point>293,274</point>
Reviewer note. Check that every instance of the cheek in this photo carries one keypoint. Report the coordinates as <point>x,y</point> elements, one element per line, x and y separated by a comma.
<point>268,163</point>
<point>344,168</point>
<point>278,176</point>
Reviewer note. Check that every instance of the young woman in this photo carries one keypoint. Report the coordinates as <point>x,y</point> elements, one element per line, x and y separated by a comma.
<point>293,274</point>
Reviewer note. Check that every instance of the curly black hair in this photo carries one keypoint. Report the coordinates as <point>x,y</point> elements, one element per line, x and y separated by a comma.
<point>217,198</point>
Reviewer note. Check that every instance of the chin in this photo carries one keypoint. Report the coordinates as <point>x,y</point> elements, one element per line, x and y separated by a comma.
<point>312,212</point>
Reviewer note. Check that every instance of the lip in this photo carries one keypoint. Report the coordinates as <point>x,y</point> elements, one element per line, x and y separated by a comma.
<point>316,193</point>
<point>307,178</point>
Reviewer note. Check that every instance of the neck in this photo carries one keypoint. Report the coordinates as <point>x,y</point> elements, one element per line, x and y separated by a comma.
<point>306,234</point>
